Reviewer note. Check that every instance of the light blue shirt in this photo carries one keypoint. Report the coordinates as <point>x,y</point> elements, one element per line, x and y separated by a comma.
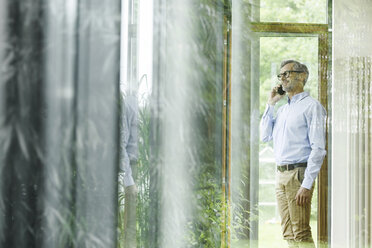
<point>298,134</point>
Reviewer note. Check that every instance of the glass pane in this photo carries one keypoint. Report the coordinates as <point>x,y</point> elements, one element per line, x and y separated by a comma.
<point>298,11</point>
<point>274,50</point>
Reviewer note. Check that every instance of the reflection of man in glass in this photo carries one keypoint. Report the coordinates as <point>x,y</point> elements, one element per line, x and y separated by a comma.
<point>128,162</point>
<point>298,134</point>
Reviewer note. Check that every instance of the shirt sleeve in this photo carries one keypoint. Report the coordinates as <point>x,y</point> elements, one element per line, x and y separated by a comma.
<point>267,124</point>
<point>316,119</point>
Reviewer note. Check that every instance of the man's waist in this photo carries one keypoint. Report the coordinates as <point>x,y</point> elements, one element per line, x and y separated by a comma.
<point>287,167</point>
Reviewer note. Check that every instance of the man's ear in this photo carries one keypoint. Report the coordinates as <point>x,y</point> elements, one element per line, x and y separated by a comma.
<point>302,77</point>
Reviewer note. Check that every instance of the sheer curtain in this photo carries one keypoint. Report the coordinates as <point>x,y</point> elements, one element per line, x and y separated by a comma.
<point>359,147</point>
<point>351,125</point>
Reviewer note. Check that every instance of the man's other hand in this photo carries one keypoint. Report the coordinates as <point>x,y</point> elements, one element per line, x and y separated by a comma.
<point>303,196</point>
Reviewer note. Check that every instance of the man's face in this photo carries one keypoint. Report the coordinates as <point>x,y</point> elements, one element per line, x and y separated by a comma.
<point>294,79</point>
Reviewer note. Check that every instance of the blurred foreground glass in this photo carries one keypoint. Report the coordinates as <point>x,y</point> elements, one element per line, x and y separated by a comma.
<point>58,123</point>
<point>172,68</point>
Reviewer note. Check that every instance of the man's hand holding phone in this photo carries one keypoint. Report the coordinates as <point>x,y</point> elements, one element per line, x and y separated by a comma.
<point>276,94</point>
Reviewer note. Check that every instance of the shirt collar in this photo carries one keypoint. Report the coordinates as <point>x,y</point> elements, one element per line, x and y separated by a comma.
<point>298,97</point>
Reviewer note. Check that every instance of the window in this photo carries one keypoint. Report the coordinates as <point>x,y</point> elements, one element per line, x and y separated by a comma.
<point>264,37</point>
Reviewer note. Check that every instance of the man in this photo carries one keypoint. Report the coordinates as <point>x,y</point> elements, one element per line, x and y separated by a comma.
<point>128,162</point>
<point>298,134</point>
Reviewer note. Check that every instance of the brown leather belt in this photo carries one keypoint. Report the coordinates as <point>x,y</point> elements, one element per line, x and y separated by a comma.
<point>288,167</point>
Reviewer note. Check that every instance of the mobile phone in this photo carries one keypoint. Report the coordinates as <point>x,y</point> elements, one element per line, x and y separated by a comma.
<point>280,90</point>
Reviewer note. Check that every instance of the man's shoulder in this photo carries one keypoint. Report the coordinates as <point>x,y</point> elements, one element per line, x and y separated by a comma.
<point>308,99</point>
<point>314,104</point>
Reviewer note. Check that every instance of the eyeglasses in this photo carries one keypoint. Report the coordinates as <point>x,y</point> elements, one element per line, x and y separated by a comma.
<point>286,74</point>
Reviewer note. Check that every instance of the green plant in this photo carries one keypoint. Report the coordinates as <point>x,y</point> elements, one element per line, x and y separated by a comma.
<point>205,225</point>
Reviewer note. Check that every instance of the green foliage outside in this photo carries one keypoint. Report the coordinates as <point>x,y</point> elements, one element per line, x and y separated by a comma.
<point>300,11</point>
<point>206,224</point>
<point>143,177</point>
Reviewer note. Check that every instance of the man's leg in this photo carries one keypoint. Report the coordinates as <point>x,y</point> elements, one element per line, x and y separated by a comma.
<point>130,217</point>
<point>299,215</point>
<point>283,208</point>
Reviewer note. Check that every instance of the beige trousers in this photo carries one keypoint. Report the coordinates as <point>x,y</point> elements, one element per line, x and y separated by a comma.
<point>130,239</point>
<point>295,220</point>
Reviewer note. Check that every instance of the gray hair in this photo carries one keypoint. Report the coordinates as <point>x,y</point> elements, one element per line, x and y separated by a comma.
<point>297,66</point>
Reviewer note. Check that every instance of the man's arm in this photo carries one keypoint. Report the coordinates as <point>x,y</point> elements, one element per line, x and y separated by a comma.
<point>267,123</point>
<point>316,122</point>
<point>317,126</point>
